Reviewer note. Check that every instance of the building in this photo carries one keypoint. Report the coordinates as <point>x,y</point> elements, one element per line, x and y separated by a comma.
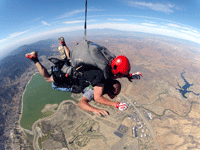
<point>135,131</point>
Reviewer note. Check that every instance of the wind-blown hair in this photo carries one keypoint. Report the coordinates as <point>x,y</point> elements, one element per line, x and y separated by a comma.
<point>112,87</point>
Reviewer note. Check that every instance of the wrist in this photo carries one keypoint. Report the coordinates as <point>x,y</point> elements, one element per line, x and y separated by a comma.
<point>117,105</point>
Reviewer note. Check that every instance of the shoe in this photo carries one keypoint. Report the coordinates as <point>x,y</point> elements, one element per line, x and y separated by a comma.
<point>62,41</point>
<point>32,55</point>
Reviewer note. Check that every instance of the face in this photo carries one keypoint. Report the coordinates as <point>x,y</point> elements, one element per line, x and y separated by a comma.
<point>111,95</point>
<point>117,88</point>
<point>119,75</point>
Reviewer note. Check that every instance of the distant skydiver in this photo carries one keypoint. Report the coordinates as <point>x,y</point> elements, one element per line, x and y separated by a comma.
<point>72,83</point>
<point>91,56</point>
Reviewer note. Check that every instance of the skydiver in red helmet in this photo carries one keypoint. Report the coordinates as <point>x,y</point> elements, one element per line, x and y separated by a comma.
<point>91,56</point>
<point>121,68</point>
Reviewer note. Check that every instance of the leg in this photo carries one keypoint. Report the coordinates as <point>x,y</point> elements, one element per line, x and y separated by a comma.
<point>43,71</point>
<point>67,51</point>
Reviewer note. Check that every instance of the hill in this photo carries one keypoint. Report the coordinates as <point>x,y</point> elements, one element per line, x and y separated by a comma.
<point>15,72</point>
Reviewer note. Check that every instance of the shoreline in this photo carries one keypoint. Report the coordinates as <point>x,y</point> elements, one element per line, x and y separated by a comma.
<point>21,112</point>
<point>42,119</point>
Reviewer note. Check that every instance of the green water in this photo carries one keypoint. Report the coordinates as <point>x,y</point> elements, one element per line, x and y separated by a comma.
<point>38,94</point>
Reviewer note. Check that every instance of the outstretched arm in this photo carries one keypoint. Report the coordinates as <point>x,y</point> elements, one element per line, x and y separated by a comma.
<point>98,96</point>
<point>83,104</point>
<point>136,75</point>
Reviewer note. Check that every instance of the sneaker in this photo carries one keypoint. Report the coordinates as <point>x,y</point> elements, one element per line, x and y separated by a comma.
<point>62,41</point>
<point>32,55</point>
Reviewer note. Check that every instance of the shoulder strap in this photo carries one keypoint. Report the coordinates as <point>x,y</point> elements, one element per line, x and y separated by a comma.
<point>57,62</point>
<point>107,54</point>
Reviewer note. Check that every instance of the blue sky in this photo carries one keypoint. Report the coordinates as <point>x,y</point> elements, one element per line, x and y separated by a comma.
<point>24,21</point>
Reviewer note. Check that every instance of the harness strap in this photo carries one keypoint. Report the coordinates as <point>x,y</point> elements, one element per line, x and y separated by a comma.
<point>107,54</point>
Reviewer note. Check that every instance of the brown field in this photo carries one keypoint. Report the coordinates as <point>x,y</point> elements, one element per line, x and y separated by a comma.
<point>169,90</point>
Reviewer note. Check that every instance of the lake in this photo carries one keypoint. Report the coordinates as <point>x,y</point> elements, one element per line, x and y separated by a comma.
<point>39,93</point>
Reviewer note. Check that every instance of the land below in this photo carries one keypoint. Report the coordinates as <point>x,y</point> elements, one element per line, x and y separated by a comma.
<point>167,95</point>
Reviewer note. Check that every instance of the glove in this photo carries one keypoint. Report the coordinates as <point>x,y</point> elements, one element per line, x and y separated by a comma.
<point>134,76</point>
<point>122,106</point>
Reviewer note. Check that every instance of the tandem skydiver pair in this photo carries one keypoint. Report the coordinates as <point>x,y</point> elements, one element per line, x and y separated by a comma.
<point>88,65</point>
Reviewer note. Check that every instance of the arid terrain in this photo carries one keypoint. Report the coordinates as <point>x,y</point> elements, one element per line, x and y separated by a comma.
<point>164,105</point>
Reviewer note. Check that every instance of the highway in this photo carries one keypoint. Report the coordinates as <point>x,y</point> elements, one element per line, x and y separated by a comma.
<point>146,121</point>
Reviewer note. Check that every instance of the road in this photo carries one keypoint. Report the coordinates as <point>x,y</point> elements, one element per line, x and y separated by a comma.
<point>147,123</point>
<point>28,131</point>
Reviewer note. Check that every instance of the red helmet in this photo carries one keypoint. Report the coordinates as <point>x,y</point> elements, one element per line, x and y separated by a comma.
<point>121,65</point>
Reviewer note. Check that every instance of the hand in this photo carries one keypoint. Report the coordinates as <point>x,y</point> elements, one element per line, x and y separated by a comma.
<point>122,106</point>
<point>101,112</point>
<point>136,75</point>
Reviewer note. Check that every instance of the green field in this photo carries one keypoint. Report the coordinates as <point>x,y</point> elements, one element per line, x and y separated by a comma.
<point>39,93</point>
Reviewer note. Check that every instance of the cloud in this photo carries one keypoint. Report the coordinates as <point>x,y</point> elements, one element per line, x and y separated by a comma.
<point>35,37</point>
<point>185,29</point>
<point>173,25</point>
<point>74,12</point>
<point>73,22</point>
<point>36,19</point>
<point>149,24</point>
<point>78,21</point>
<point>51,32</point>
<point>3,40</point>
<point>45,23</point>
<point>155,29</point>
<point>117,19</point>
<point>191,33</point>
<point>166,8</point>
<point>17,34</point>
<point>71,13</point>
<point>95,10</point>
<point>143,27</point>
